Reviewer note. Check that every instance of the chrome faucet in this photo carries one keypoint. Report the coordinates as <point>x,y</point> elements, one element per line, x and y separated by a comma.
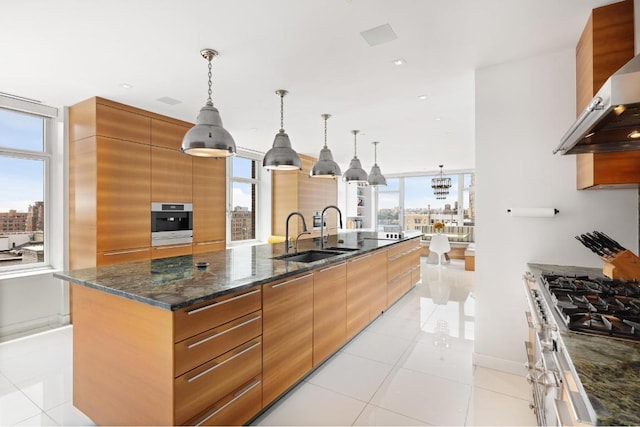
<point>322,223</point>
<point>286,233</point>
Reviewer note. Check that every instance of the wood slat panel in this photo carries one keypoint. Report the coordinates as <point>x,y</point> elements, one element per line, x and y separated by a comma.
<point>209,202</point>
<point>167,134</point>
<point>82,203</point>
<point>122,351</point>
<point>121,124</point>
<point>171,176</point>
<point>358,281</point>
<point>329,311</point>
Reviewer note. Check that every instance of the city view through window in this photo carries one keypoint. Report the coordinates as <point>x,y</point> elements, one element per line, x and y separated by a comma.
<point>243,198</point>
<point>408,203</point>
<point>22,171</point>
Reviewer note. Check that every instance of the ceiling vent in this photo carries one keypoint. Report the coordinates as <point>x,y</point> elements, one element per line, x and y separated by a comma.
<point>378,35</point>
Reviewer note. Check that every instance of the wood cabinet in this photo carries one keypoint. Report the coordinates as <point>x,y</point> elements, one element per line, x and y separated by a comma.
<point>109,185</point>
<point>359,281</point>
<point>171,175</point>
<point>297,191</point>
<point>403,268</point>
<point>287,308</point>
<point>377,274</point>
<point>606,44</point>
<point>329,310</point>
<point>209,204</point>
<point>198,365</point>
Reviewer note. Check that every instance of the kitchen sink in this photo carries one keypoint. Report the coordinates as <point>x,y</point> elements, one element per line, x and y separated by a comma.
<point>308,256</point>
<point>342,249</point>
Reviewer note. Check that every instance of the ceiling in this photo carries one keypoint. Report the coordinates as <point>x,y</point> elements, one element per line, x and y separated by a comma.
<point>61,52</point>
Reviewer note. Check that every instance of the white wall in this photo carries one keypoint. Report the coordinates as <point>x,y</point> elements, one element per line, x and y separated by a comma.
<point>522,110</point>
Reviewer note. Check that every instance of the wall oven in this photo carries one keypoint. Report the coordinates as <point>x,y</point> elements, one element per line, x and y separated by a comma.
<point>171,223</point>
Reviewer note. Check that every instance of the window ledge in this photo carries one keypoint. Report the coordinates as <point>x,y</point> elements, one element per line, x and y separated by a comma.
<point>15,274</point>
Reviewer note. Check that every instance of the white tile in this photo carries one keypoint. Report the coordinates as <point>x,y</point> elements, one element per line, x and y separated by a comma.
<point>502,382</point>
<point>449,358</point>
<point>424,397</point>
<point>395,327</point>
<point>375,416</point>
<point>379,347</point>
<point>41,419</point>
<point>36,365</point>
<point>488,408</point>
<point>351,375</point>
<point>15,407</point>
<point>49,390</point>
<point>68,415</point>
<point>311,405</point>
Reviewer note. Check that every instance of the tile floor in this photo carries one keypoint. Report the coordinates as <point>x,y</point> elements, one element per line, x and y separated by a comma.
<point>412,366</point>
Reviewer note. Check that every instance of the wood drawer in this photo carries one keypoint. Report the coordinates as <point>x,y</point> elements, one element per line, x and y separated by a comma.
<point>398,265</point>
<point>123,256</point>
<point>398,287</point>
<point>197,350</point>
<point>210,246</point>
<point>398,248</point>
<point>415,275</point>
<point>170,251</point>
<point>235,409</point>
<point>193,320</point>
<point>199,388</point>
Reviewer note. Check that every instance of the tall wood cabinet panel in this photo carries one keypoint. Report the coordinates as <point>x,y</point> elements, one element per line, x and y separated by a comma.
<point>329,310</point>
<point>358,283</point>
<point>209,204</point>
<point>378,283</point>
<point>297,191</point>
<point>287,331</point>
<point>170,176</point>
<point>606,44</point>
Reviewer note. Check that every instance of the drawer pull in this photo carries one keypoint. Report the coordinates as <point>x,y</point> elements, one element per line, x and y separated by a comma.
<point>236,396</point>
<point>332,267</point>
<point>239,325</point>
<point>215,304</point>
<point>171,246</point>
<point>132,251</point>
<point>209,242</point>
<point>277,285</point>
<point>217,365</point>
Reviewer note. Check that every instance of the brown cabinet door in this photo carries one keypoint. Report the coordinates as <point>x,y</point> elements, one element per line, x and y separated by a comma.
<point>121,124</point>
<point>287,310</point>
<point>166,134</point>
<point>209,203</point>
<point>329,310</point>
<point>377,276</point>
<point>358,284</point>
<point>170,176</point>
<point>123,217</point>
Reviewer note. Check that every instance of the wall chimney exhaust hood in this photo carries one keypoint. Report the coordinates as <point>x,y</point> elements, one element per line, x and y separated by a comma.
<point>611,122</point>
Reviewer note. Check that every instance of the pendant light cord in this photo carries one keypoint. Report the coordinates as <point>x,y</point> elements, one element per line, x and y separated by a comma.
<point>355,143</point>
<point>325,131</point>
<point>209,101</point>
<point>282,112</point>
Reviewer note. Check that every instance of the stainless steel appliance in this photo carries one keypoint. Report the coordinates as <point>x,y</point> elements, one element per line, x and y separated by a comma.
<point>171,223</point>
<point>611,122</point>
<point>558,395</point>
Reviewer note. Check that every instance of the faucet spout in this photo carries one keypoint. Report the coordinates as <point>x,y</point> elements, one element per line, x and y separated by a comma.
<point>322,222</point>
<point>286,235</point>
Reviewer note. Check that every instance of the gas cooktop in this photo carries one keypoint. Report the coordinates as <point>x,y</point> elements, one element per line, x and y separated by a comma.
<point>596,305</point>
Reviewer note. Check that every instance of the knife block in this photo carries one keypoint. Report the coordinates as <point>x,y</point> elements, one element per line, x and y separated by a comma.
<point>624,265</point>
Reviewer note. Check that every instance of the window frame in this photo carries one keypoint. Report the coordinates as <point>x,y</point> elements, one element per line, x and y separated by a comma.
<point>256,157</point>
<point>49,115</point>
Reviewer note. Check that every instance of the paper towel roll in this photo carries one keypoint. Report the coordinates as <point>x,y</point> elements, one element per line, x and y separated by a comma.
<point>533,212</point>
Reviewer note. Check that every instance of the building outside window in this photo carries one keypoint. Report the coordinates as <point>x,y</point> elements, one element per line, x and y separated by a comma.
<point>243,171</point>
<point>25,156</point>
<point>408,203</point>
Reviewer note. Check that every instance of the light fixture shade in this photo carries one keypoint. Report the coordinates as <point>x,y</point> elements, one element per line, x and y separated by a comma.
<point>355,174</point>
<point>208,138</point>
<point>376,178</point>
<point>325,167</point>
<point>281,156</point>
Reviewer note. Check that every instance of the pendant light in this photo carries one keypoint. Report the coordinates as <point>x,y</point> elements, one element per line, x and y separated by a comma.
<point>441,186</point>
<point>208,138</point>
<point>281,156</point>
<point>325,167</point>
<point>355,174</point>
<point>376,178</point>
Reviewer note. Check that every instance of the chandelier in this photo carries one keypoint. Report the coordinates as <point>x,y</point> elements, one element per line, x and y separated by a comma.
<point>441,186</point>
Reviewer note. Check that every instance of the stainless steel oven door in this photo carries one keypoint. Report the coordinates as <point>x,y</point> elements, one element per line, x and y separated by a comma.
<point>171,223</point>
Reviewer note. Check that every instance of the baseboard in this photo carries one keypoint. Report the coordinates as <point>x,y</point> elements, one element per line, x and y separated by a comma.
<point>32,326</point>
<point>497,364</point>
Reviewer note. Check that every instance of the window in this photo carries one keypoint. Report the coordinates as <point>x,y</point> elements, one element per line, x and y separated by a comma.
<point>242,197</point>
<point>408,203</point>
<point>25,158</point>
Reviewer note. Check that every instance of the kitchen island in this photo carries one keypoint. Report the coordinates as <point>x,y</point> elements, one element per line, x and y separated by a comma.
<point>600,376</point>
<point>166,342</point>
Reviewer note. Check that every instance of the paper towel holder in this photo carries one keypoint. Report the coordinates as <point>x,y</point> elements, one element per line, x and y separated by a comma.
<point>533,212</point>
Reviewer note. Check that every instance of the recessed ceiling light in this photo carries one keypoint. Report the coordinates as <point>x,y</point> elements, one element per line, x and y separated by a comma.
<point>253,129</point>
<point>126,86</point>
<point>168,100</point>
<point>399,61</point>
<point>378,35</point>
<point>423,96</point>
<point>437,119</point>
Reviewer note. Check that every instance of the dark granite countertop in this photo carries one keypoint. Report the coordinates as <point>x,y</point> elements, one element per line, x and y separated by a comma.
<point>608,368</point>
<point>173,283</point>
